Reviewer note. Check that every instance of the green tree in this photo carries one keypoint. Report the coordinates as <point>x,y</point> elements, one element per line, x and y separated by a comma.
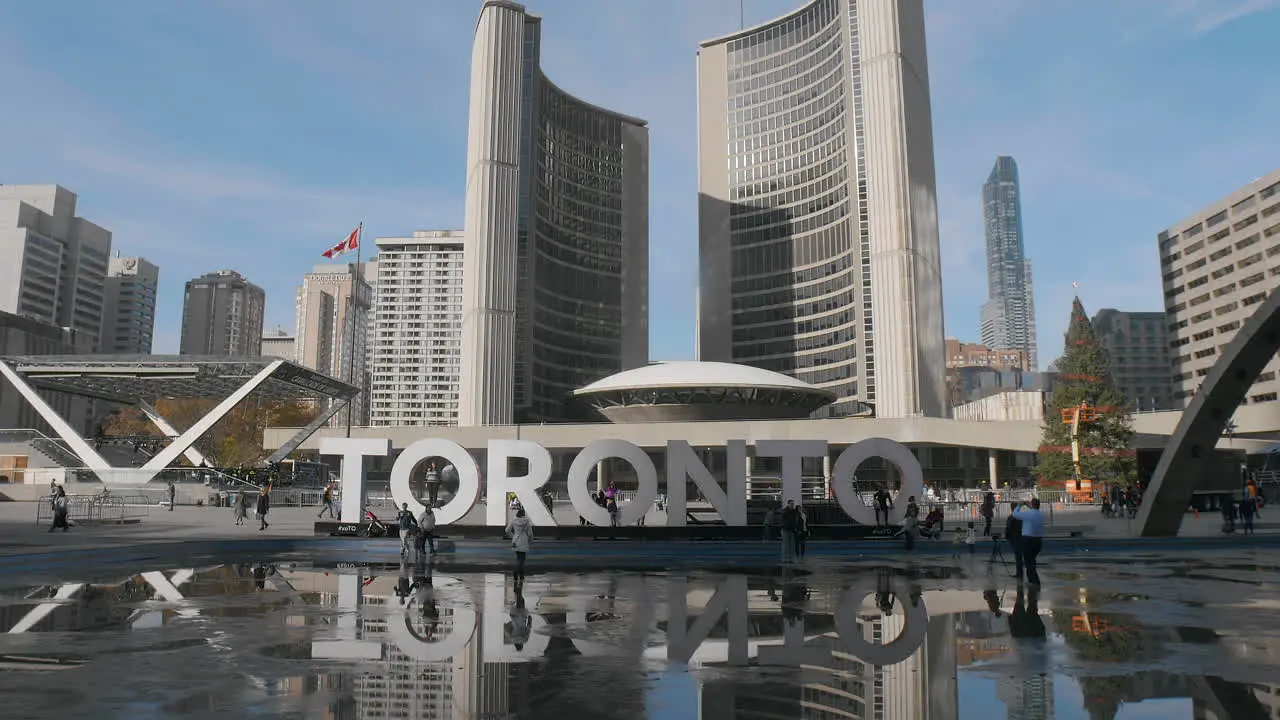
<point>235,440</point>
<point>1106,432</point>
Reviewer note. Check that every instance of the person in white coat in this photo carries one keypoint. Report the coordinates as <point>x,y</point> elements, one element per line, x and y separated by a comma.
<point>521,531</point>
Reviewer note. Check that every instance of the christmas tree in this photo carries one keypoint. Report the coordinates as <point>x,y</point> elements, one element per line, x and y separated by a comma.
<point>1084,386</point>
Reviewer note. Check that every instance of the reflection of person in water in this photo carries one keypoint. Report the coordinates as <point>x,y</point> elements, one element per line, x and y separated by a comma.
<point>260,573</point>
<point>884,591</point>
<point>521,622</point>
<point>1025,621</point>
<point>425,595</point>
<point>403,587</point>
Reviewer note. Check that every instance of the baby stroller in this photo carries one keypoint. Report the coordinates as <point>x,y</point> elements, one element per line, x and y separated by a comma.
<point>376,528</point>
<point>932,527</point>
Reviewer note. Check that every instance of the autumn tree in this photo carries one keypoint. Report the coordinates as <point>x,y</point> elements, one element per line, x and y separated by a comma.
<point>1106,432</point>
<point>235,440</point>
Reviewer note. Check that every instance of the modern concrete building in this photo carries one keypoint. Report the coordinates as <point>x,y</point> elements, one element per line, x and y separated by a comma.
<point>129,310</point>
<point>333,302</point>
<point>1218,264</point>
<point>1138,343</point>
<point>279,343</point>
<point>222,314</point>
<point>557,212</point>
<point>1009,315</point>
<point>818,228</point>
<point>55,267</point>
<point>686,391</point>
<point>417,354</point>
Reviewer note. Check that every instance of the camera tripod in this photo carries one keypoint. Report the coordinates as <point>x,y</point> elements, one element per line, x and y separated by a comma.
<point>997,553</point>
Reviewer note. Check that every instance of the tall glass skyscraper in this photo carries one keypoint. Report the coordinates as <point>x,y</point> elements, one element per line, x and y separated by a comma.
<point>555,274</point>
<point>817,208</point>
<point>1009,315</point>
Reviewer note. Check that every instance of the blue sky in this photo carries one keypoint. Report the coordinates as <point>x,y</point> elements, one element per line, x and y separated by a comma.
<point>253,135</point>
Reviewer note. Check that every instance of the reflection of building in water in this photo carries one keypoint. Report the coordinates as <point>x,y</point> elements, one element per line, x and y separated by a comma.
<point>1029,699</point>
<point>397,686</point>
<point>922,687</point>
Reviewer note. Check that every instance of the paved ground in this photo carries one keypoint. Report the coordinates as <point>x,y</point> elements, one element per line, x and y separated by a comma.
<point>19,532</point>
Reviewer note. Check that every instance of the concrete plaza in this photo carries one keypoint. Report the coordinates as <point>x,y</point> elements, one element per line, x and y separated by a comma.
<point>20,534</point>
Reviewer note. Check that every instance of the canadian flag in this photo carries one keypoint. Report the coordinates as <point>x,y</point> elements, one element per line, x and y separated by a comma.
<point>351,242</point>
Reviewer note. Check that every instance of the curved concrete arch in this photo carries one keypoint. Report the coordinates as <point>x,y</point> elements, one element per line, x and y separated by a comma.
<point>1186,458</point>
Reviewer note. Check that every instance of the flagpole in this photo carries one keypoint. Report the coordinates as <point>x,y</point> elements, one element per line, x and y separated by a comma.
<point>351,322</point>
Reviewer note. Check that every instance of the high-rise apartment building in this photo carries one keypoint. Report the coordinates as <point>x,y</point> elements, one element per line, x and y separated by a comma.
<point>1009,315</point>
<point>1138,345</point>
<point>55,268</point>
<point>129,310</point>
<point>557,225</point>
<point>222,315</point>
<point>1218,265</point>
<point>333,306</point>
<point>417,354</point>
<point>818,223</point>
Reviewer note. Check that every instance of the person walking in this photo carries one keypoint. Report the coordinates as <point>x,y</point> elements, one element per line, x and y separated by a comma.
<point>241,510</point>
<point>327,500</point>
<point>882,502</point>
<point>407,525</point>
<point>612,506</point>
<point>264,506</point>
<point>521,531</point>
<point>173,495</point>
<point>768,525</point>
<point>790,524</point>
<point>911,523</point>
<point>60,509</point>
<point>1248,508</point>
<point>426,532</point>
<point>1013,533</point>
<point>802,531</point>
<point>1032,538</point>
<point>988,512</point>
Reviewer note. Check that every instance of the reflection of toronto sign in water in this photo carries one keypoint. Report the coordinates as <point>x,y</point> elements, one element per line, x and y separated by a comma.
<point>684,640</point>
<point>682,464</point>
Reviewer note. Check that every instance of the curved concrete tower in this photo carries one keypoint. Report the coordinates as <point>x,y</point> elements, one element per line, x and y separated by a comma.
<point>818,226</point>
<point>555,280</point>
<point>493,187</point>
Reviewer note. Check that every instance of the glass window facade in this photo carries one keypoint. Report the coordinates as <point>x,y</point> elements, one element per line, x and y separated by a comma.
<point>573,239</point>
<point>798,227</point>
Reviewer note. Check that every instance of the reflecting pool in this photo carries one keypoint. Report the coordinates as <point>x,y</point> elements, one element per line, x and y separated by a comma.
<point>1107,637</point>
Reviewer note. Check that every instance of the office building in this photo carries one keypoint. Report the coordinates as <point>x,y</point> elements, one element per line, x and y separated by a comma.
<point>417,354</point>
<point>279,343</point>
<point>1218,264</point>
<point>1138,345</point>
<point>222,315</point>
<point>333,305</point>
<point>55,267</point>
<point>818,228</point>
<point>557,213</point>
<point>129,308</point>
<point>1009,315</point>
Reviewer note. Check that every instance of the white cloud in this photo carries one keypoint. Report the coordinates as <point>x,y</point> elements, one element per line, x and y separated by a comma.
<point>1209,16</point>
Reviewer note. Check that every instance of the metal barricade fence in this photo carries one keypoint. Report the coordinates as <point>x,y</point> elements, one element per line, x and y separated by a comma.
<point>94,509</point>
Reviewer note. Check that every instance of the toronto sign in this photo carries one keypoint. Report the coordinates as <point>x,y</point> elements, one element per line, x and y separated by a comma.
<point>682,465</point>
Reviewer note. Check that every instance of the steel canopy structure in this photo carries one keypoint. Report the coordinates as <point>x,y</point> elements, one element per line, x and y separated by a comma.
<point>139,380</point>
